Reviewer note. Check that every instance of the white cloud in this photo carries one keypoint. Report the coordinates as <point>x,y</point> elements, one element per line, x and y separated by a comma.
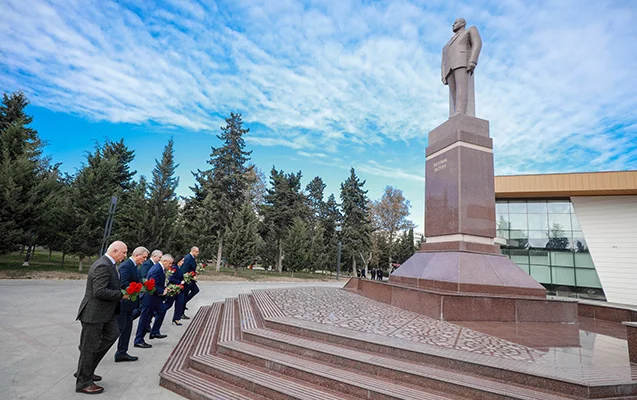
<point>556,79</point>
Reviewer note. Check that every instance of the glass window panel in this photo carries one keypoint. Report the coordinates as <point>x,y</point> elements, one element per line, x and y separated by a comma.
<point>559,206</point>
<point>562,258</point>
<point>539,257</point>
<point>584,260</point>
<point>538,234</point>
<point>575,222</point>
<point>538,243</point>
<point>518,221</point>
<point>559,243</point>
<point>501,233</point>
<point>587,278</point>
<point>501,207</point>
<point>538,222</point>
<point>524,267</point>
<point>537,207</point>
<point>518,234</point>
<point>502,221</point>
<point>517,207</point>
<point>563,276</point>
<point>579,243</point>
<point>541,274</point>
<point>519,256</point>
<point>561,222</point>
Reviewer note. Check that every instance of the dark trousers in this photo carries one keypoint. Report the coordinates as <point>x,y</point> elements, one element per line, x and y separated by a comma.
<point>179,305</point>
<point>125,324</point>
<point>144,321</point>
<point>191,291</point>
<point>95,340</point>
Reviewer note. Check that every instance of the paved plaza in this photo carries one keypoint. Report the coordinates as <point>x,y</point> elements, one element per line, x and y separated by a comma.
<point>39,340</point>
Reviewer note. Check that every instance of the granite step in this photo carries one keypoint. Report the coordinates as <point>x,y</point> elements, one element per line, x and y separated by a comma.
<point>352,383</point>
<point>199,337</point>
<point>588,383</point>
<point>443,380</point>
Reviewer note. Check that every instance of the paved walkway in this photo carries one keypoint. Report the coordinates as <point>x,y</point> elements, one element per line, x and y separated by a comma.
<point>39,340</point>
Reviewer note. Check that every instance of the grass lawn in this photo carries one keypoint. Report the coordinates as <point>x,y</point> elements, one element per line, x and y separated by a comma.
<point>41,268</point>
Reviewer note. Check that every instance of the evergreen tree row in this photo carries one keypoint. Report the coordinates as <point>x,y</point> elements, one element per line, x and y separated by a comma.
<point>233,215</point>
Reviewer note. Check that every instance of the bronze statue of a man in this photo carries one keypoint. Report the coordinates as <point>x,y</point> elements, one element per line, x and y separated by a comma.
<point>459,59</point>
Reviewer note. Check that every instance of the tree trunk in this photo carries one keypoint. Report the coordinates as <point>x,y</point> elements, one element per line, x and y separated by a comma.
<point>50,252</point>
<point>279,259</point>
<point>219,251</point>
<point>63,257</point>
<point>79,269</point>
<point>354,272</point>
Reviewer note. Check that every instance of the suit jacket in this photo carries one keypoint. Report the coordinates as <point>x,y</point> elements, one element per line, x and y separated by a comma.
<point>156,272</point>
<point>177,276</point>
<point>463,48</point>
<point>145,267</point>
<point>103,293</point>
<point>189,265</point>
<point>128,273</point>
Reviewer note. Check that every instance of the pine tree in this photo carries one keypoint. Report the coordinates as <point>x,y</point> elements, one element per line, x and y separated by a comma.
<point>318,257</point>
<point>283,202</point>
<point>330,220</point>
<point>22,170</point>
<point>163,207</point>
<point>225,186</point>
<point>314,191</point>
<point>91,193</point>
<point>242,238</point>
<point>296,246</point>
<point>357,227</point>
<point>133,215</point>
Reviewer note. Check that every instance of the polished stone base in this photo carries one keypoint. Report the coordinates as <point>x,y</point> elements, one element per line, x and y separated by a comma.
<point>467,272</point>
<point>333,344</point>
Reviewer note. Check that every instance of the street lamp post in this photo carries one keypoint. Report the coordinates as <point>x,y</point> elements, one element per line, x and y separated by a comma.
<point>338,258</point>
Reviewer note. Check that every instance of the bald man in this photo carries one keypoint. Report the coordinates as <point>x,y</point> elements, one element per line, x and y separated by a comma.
<point>98,313</point>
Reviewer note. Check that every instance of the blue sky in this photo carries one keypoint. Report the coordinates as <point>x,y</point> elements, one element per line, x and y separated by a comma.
<point>325,85</point>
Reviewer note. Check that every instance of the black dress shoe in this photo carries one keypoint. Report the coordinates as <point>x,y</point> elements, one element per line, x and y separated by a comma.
<point>143,345</point>
<point>92,389</point>
<point>96,378</point>
<point>160,336</point>
<point>185,317</point>
<point>126,357</point>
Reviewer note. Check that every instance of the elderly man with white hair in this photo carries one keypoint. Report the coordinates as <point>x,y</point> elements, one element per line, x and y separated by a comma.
<point>153,303</point>
<point>98,313</point>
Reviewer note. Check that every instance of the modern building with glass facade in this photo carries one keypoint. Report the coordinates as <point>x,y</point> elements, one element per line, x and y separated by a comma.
<point>576,234</point>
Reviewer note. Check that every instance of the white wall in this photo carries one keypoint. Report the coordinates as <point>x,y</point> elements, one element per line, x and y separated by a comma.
<point>610,229</point>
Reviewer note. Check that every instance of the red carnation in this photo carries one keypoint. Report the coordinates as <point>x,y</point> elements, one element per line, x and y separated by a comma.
<point>149,286</point>
<point>181,286</point>
<point>132,290</point>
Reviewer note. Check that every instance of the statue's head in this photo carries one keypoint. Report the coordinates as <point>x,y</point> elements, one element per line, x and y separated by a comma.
<point>458,24</point>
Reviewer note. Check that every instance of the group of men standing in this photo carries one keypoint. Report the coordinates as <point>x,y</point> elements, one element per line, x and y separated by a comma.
<point>107,314</point>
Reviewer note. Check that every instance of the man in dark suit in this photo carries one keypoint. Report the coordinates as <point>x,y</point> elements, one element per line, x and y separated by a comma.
<point>98,311</point>
<point>190,265</point>
<point>128,273</point>
<point>152,260</point>
<point>153,304</point>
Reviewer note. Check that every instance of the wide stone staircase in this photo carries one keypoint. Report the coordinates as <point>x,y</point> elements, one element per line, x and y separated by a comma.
<point>247,348</point>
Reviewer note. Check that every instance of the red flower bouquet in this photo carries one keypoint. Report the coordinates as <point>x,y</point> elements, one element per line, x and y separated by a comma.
<point>149,286</point>
<point>133,290</point>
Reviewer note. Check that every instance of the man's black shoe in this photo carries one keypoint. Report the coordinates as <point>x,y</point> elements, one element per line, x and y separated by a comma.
<point>185,308</point>
<point>96,378</point>
<point>125,357</point>
<point>160,336</point>
<point>185,317</point>
<point>143,345</point>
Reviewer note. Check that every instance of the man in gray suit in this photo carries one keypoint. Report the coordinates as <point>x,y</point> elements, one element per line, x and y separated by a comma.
<point>459,60</point>
<point>97,312</point>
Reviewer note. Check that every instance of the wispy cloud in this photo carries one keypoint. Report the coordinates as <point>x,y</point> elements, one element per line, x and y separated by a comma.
<point>556,79</point>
